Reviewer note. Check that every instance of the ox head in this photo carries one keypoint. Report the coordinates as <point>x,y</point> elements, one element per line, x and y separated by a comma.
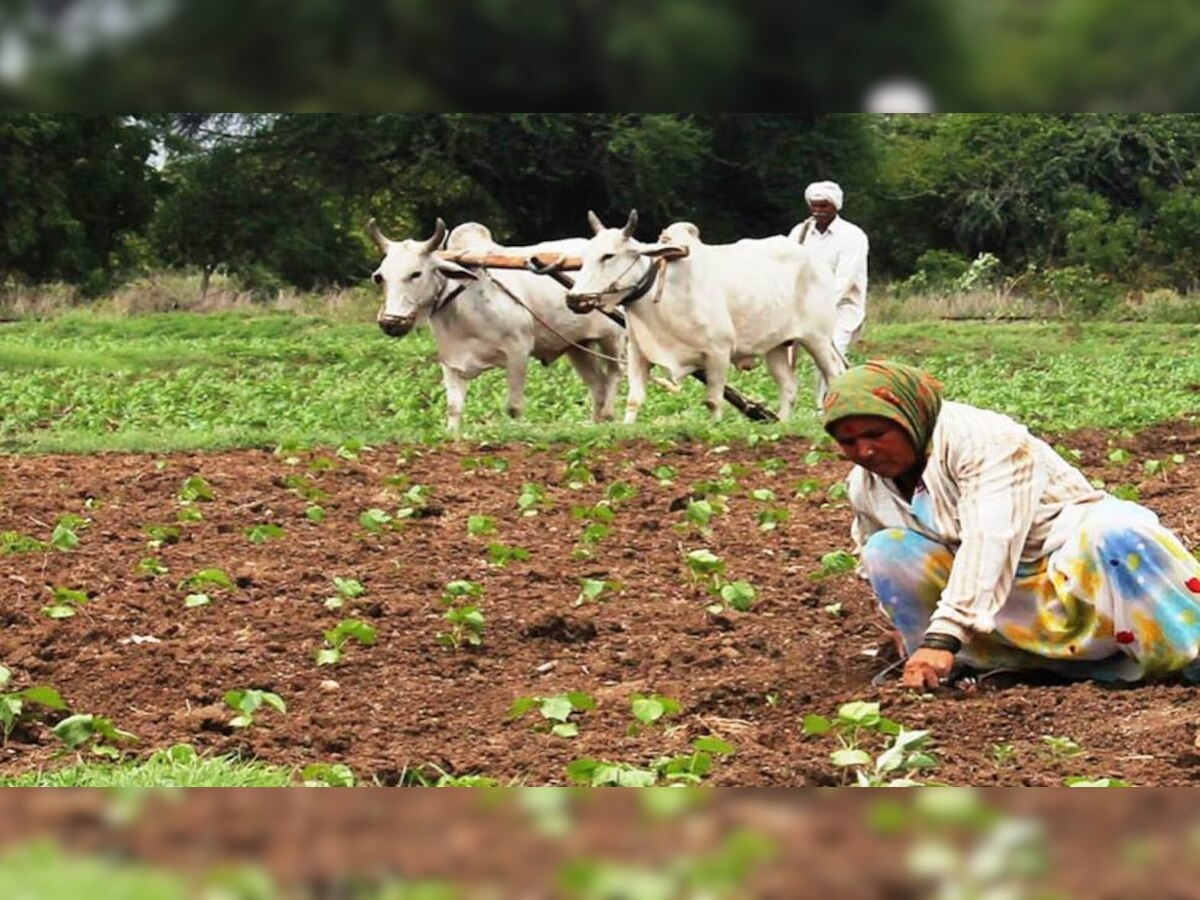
<point>413,278</point>
<point>613,263</point>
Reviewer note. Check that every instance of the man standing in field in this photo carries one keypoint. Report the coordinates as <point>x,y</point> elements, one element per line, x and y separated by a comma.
<point>843,246</point>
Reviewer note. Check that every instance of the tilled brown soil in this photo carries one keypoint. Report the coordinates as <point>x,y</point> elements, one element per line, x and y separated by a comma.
<point>408,705</point>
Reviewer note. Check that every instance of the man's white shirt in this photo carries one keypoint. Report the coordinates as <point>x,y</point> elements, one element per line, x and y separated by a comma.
<point>843,246</point>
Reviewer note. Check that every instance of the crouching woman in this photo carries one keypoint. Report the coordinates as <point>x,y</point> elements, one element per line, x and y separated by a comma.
<point>982,544</point>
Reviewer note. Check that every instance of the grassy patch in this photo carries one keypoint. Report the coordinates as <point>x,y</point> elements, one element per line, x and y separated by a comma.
<point>179,766</point>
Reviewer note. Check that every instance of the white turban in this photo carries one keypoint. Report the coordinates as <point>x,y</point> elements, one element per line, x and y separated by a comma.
<point>824,190</point>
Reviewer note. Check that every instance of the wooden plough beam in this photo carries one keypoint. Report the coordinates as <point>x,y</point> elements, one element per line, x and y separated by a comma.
<point>555,268</point>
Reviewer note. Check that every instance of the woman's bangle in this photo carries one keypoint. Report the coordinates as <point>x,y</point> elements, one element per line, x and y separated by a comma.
<point>936,641</point>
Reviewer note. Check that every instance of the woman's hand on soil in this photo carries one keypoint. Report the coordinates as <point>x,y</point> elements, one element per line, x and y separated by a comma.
<point>927,668</point>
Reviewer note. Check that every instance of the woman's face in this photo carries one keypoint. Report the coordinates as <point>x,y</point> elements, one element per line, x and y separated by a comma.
<point>877,444</point>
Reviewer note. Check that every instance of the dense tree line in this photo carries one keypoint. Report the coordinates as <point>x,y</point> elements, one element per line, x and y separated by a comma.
<point>281,199</point>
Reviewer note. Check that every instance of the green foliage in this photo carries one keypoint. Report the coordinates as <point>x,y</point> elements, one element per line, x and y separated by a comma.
<point>683,769</point>
<point>248,702</point>
<point>97,732</point>
<point>341,634</point>
<point>903,750</point>
<point>65,602</point>
<point>467,621</point>
<point>263,532</point>
<point>14,705</point>
<point>556,710</point>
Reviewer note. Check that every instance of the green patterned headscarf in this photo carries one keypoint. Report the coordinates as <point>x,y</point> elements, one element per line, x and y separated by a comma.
<point>909,397</point>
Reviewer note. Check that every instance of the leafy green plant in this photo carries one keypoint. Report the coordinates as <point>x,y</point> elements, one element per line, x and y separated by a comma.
<point>65,535</point>
<point>14,705</point>
<point>66,602</point>
<point>707,568</point>
<point>375,520</point>
<point>686,768</point>
<point>1061,747</point>
<point>352,449</point>
<point>903,750</point>
<point>347,589</point>
<point>161,535</point>
<point>839,562</point>
<point>1104,782</point>
<point>99,732</point>
<point>196,490</point>
<point>532,498</point>
<point>478,526</point>
<point>328,775</point>
<point>500,555</point>
<point>591,590</point>
<point>1002,754</point>
<point>248,702</point>
<point>556,711</point>
<point>341,634</point>
<point>304,487</point>
<point>665,474</point>
<point>619,492</point>
<point>207,578</point>
<point>189,514</point>
<point>650,709</point>
<point>479,463</point>
<point>413,501</point>
<point>151,565</point>
<point>260,534</point>
<point>467,621</point>
<point>15,542</point>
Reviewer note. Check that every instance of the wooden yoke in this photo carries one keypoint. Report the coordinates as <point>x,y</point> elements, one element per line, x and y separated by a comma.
<point>505,260</point>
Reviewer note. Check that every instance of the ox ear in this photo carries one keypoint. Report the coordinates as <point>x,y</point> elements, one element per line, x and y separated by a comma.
<point>631,225</point>
<point>594,221</point>
<point>453,269</point>
<point>439,236</point>
<point>377,236</point>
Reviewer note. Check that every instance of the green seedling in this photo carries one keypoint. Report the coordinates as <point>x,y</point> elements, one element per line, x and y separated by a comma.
<point>347,589</point>
<point>189,514</point>
<point>691,768</point>
<point>478,526</point>
<point>500,555</point>
<point>337,637</point>
<point>161,535</point>
<point>833,609</point>
<point>352,450</point>
<point>903,750</point>
<point>328,775</point>
<point>1061,747</point>
<point>707,568</point>
<point>99,732</point>
<point>260,534</point>
<point>15,542</point>
<point>65,604</point>
<point>838,492</point>
<point>1126,492</point>
<point>1084,782</point>
<point>415,499</point>
<point>1002,754</point>
<point>531,499</point>
<point>375,520</point>
<point>774,465</point>
<point>763,495</point>
<point>151,565</point>
<point>14,705</point>
<point>704,565</point>
<point>196,600</point>
<point>478,463</point>
<point>206,578</point>
<point>556,710</point>
<point>466,619</point>
<point>666,475</point>
<point>65,535</point>
<point>805,488</point>
<point>1120,456</point>
<point>652,709</point>
<point>303,486</point>
<point>700,513</point>
<point>771,518</point>
<point>196,490</point>
<point>591,590</point>
<point>322,463</point>
<point>591,772</point>
<point>577,473</point>
<point>839,562</point>
<point>247,702</point>
<point>619,492</point>
<point>685,769</point>
<point>314,513</point>
<point>721,487</point>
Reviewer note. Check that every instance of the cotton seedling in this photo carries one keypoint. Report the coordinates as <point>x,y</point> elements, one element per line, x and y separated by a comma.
<point>1105,782</point>
<point>774,466</point>
<point>65,535</point>
<point>1060,747</point>
<point>556,711</point>
<point>708,569</point>
<point>665,474</point>
<point>532,498</point>
<point>691,768</point>
<point>619,492</point>
<point>161,535</point>
<point>337,637</point>
<point>328,775</point>
<point>1002,754</point>
<point>99,732</point>
<point>314,513</point>
<point>651,709</point>
<point>413,501</point>
<point>352,450</point>
<point>839,562</point>
<point>577,473</point>
<point>189,514</point>
<point>466,619</point>
<point>592,590</point>
<point>375,520</point>
<point>904,750</point>
<point>480,463</point>
<point>1120,456</point>
<point>151,565</point>
<point>14,705</point>
<point>805,488</point>
<point>479,525</point>
<point>838,492</point>
<point>347,589</point>
<point>684,769</point>
<point>260,534</point>
<point>201,583</point>
<point>500,555</point>
<point>15,542</point>
<point>65,603</point>
<point>304,487</point>
<point>248,702</point>
<point>196,490</point>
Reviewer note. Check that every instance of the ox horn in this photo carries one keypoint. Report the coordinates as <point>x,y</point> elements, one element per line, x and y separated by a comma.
<point>439,235</point>
<point>631,225</point>
<point>594,221</point>
<point>377,236</point>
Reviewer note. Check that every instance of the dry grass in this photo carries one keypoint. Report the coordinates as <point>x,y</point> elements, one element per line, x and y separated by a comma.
<point>888,305</point>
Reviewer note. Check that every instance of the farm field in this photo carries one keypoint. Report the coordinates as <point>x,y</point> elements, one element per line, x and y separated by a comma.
<point>294,523</point>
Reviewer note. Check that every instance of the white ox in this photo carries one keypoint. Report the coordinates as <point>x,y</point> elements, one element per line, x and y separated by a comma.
<point>721,304</point>
<point>483,327</point>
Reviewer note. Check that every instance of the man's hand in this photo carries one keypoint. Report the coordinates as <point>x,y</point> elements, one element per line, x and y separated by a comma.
<point>926,668</point>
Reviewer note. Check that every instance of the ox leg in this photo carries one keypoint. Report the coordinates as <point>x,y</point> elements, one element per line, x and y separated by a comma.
<point>595,374</point>
<point>829,361</point>
<point>456,396</point>
<point>639,374</point>
<point>515,371</point>
<point>716,370</point>
<point>779,364</point>
<point>613,346</point>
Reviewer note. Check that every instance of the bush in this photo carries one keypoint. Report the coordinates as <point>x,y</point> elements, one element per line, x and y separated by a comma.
<point>1077,290</point>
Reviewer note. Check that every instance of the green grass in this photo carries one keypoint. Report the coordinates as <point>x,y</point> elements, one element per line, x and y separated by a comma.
<point>86,383</point>
<point>43,872</point>
<point>179,766</point>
